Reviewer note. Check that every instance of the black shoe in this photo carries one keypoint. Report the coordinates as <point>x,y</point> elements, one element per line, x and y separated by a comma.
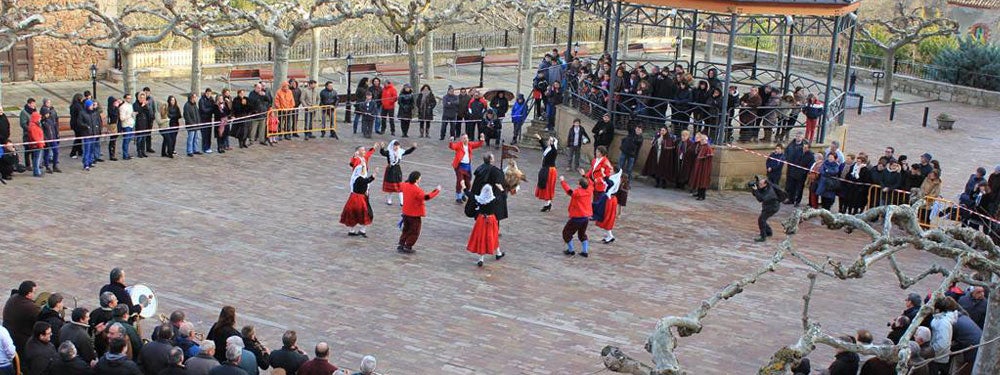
<point>760,239</point>
<point>99,160</point>
<point>479,263</point>
<point>605,240</point>
<point>352,234</point>
<point>399,248</point>
<point>48,170</point>
<point>408,250</point>
<point>363,234</point>
<point>113,158</point>
<point>770,234</point>
<point>56,169</point>
<point>547,208</point>
<point>500,254</point>
<point>584,255</point>
<point>569,252</point>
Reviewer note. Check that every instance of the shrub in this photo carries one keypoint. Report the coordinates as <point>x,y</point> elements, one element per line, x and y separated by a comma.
<point>973,63</point>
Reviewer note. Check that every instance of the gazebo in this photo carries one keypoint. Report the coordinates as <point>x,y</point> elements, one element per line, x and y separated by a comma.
<point>702,23</point>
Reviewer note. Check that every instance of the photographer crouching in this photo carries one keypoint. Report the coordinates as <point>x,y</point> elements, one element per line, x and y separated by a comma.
<point>770,198</point>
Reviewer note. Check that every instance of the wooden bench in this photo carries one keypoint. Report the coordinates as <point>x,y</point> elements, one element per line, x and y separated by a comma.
<point>388,69</point>
<point>464,61</point>
<point>361,68</point>
<point>501,60</point>
<point>242,75</point>
<point>268,74</point>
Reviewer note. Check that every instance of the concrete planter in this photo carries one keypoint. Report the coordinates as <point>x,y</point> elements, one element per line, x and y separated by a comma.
<point>945,124</point>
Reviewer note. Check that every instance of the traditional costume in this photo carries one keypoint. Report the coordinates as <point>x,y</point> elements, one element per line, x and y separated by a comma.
<point>545,188</point>
<point>393,173</point>
<point>686,155</point>
<point>701,174</point>
<point>662,160</point>
<point>358,209</point>
<point>413,210</point>
<point>611,206</point>
<point>462,163</point>
<point>485,236</point>
<point>600,169</point>
<point>489,175</point>
<point>580,211</point>
<point>363,159</point>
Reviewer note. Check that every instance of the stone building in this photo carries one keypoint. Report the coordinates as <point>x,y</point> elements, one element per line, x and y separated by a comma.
<point>977,18</point>
<point>47,59</point>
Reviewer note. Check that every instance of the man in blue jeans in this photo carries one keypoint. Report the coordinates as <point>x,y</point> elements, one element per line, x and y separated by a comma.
<point>630,150</point>
<point>191,118</point>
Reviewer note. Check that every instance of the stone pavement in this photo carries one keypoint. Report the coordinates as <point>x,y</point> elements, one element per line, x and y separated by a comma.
<point>258,229</point>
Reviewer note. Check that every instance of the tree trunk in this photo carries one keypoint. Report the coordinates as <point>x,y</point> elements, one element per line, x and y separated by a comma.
<point>1,92</point>
<point>282,49</point>
<point>709,45</point>
<point>314,55</point>
<point>988,358</point>
<point>890,62</point>
<point>131,81</point>
<point>428,57</point>
<point>196,64</point>
<point>411,54</point>
<point>527,41</point>
<point>520,67</point>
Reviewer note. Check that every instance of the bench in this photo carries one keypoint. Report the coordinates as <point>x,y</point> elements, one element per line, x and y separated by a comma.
<point>268,74</point>
<point>397,69</point>
<point>243,75</point>
<point>501,60</point>
<point>464,61</point>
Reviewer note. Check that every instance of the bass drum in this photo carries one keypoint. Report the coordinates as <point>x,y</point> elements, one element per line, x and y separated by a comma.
<point>143,296</point>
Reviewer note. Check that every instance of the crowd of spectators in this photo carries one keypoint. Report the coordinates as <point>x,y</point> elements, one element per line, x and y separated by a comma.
<point>106,341</point>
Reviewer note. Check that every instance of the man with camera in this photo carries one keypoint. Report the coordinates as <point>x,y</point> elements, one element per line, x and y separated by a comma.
<point>770,198</point>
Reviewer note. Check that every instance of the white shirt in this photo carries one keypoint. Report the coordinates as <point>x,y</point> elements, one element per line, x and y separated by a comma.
<point>126,115</point>
<point>465,156</point>
<point>7,350</point>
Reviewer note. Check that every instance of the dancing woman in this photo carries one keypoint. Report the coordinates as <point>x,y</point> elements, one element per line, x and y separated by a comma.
<point>545,188</point>
<point>357,213</point>
<point>485,237</point>
<point>393,173</point>
<point>611,206</point>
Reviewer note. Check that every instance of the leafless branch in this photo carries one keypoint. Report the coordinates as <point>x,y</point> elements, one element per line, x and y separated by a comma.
<point>18,23</point>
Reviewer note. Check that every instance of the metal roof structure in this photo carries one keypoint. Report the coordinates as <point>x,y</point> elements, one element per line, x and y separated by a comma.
<point>979,4</point>
<point>760,7</point>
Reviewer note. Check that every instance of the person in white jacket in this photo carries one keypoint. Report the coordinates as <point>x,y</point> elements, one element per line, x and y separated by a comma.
<point>941,333</point>
<point>127,118</point>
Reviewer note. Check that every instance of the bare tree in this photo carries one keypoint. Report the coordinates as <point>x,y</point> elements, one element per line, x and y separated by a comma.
<point>200,21</point>
<point>973,253</point>
<point>523,16</point>
<point>17,23</point>
<point>905,28</point>
<point>285,21</point>
<point>413,20</point>
<point>137,24</point>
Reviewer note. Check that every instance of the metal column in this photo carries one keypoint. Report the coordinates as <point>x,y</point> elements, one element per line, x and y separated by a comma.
<point>694,40</point>
<point>829,80</point>
<point>607,26</point>
<point>847,70</point>
<point>569,38</point>
<point>724,120</point>
<point>612,104</point>
<point>788,56</point>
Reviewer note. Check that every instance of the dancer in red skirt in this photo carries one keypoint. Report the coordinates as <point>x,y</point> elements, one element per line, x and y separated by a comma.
<point>393,173</point>
<point>357,213</point>
<point>413,210</point>
<point>363,157</point>
<point>485,237</point>
<point>611,206</point>
<point>545,188</point>
<point>580,211</point>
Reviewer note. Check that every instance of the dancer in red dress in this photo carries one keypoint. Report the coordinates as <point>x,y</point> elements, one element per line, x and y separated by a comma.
<point>393,173</point>
<point>485,237</point>
<point>611,206</point>
<point>580,211</point>
<point>600,169</point>
<point>363,157</point>
<point>701,174</point>
<point>462,163</point>
<point>413,210</point>
<point>545,188</point>
<point>357,213</point>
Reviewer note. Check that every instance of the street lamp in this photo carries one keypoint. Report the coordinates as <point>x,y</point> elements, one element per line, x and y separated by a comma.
<point>93,79</point>
<point>482,65</point>
<point>347,111</point>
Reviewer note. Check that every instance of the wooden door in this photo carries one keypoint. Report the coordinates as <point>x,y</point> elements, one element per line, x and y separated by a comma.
<point>17,64</point>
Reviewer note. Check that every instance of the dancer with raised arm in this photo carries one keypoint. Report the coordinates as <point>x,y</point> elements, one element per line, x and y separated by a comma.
<point>357,213</point>
<point>393,173</point>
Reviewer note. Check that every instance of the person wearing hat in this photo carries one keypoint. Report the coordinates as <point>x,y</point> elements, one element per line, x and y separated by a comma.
<point>925,164</point>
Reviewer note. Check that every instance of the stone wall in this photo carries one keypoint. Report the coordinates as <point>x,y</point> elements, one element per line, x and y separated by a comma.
<point>59,60</point>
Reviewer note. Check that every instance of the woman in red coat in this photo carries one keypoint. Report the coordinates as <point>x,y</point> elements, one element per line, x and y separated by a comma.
<point>662,159</point>
<point>701,175</point>
<point>413,210</point>
<point>686,156</point>
<point>485,236</point>
<point>611,206</point>
<point>358,209</point>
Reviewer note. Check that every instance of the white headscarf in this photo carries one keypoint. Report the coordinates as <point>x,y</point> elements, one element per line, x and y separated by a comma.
<point>615,183</point>
<point>395,156</point>
<point>359,172</point>
<point>553,146</point>
<point>485,195</point>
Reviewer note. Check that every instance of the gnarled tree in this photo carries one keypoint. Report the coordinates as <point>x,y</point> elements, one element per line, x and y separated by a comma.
<point>17,23</point>
<point>905,28</point>
<point>523,16</point>
<point>137,24</point>
<point>891,230</point>
<point>199,21</point>
<point>285,21</point>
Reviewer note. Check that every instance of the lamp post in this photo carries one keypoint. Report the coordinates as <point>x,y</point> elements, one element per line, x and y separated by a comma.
<point>482,65</point>
<point>93,79</point>
<point>347,110</point>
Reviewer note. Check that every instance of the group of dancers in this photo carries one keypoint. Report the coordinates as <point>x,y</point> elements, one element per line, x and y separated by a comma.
<point>484,192</point>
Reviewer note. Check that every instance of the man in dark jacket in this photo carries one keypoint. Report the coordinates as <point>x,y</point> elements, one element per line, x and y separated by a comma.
<point>115,362</point>
<point>39,354</point>
<point>26,112</point>
<point>767,195</point>
<point>450,114</point>
<point>116,285</point>
<point>463,106</point>
<point>328,99</point>
<point>845,362</point>
<point>155,356</point>
<point>975,303</point>
<point>575,139</point>
<point>476,111</point>
<point>101,317</point>
<point>69,363</point>
<point>289,357</point>
<point>630,150</point>
<point>191,118</point>
<point>797,174</point>
<point>50,127</point>
<point>52,313</point>
<point>604,132</point>
<point>77,332</point>
<point>4,128</point>
<point>176,366</point>
<point>19,314</point>
<point>260,102</point>
<point>128,330</point>
<point>206,106</point>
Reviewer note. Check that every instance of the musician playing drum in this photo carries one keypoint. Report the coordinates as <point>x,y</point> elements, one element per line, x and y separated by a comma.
<point>117,286</point>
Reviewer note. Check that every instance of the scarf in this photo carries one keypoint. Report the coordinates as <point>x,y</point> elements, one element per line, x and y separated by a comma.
<point>553,146</point>
<point>614,182</point>
<point>395,155</point>
<point>485,195</point>
<point>359,172</point>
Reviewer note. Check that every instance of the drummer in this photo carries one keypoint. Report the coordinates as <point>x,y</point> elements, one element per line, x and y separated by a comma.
<point>117,286</point>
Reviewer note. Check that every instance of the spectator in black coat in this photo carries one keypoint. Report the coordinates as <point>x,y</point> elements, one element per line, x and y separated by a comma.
<point>52,314</point>
<point>974,304</point>
<point>116,362</point>
<point>176,366</point>
<point>39,354</point>
<point>845,362</point>
<point>78,333</point>
<point>69,363</point>
<point>117,286</point>
<point>604,132</point>
<point>796,176</point>
<point>20,313</point>
<point>630,150</point>
<point>289,357</point>
<point>155,356</point>
<point>222,330</point>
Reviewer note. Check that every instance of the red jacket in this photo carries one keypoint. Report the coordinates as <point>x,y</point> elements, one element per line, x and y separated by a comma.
<point>389,96</point>
<point>355,161</point>
<point>460,151</point>
<point>413,199</point>
<point>598,173</point>
<point>580,201</point>
<point>35,134</point>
